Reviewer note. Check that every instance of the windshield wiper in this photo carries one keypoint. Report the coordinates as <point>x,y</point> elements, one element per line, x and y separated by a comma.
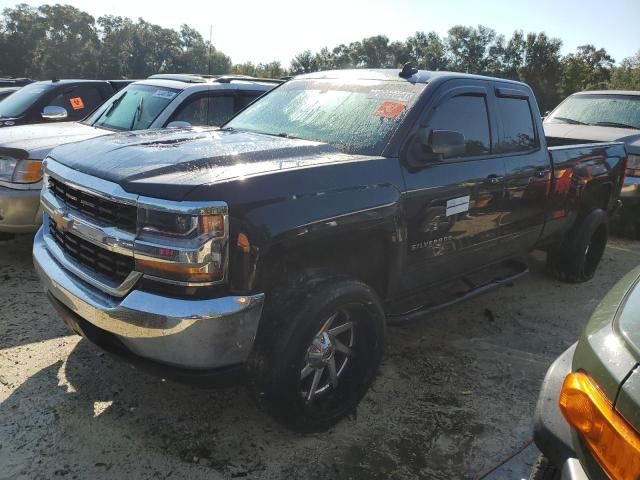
<point>138,113</point>
<point>615,124</point>
<point>572,121</point>
<point>115,103</point>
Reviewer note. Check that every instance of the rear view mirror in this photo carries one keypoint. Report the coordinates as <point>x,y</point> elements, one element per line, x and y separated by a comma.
<point>52,112</point>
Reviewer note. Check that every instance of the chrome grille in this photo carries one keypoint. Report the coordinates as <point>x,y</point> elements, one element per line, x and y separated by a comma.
<point>105,211</point>
<point>113,266</point>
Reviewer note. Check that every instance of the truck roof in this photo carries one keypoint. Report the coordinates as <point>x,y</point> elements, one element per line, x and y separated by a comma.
<point>393,74</point>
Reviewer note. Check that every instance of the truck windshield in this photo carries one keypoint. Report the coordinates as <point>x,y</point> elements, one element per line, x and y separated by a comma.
<point>357,116</point>
<point>606,110</point>
<point>135,108</point>
<point>17,104</point>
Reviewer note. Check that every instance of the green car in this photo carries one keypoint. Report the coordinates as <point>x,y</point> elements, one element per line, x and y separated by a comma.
<point>587,420</point>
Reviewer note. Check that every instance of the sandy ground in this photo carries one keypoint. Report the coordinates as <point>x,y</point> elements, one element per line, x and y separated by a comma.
<point>454,398</point>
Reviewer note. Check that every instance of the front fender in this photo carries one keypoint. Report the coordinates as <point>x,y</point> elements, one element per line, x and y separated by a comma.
<point>337,207</point>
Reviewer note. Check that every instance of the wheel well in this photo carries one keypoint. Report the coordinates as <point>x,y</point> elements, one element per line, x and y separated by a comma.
<point>596,196</point>
<point>363,256</point>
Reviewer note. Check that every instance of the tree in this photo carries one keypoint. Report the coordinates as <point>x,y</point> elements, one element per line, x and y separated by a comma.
<point>428,51</point>
<point>542,68</point>
<point>467,47</point>
<point>589,68</point>
<point>304,62</point>
<point>627,75</point>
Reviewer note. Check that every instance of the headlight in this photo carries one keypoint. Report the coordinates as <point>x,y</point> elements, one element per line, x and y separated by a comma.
<point>20,171</point>
<point>7,166</point>
<point>182,246</point>
<point>633,166</point>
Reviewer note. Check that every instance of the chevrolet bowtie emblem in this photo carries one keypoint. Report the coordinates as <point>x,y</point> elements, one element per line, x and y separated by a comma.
<point>62,223</point>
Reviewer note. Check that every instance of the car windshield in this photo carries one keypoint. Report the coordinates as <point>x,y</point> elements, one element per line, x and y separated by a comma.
<point>18,103</point>
<point>356,116</point>
<point>135,108</point>
<point>606,110</point>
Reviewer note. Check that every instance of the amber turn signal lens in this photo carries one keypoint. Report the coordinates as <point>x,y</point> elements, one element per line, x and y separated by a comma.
<point>612,441</point>
<point>243,243</point>
<point>28,171</point>
<point>211,224</point>
<point>183,273</point>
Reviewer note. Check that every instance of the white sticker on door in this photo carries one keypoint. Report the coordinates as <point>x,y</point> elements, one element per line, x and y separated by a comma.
<point>458,205</point>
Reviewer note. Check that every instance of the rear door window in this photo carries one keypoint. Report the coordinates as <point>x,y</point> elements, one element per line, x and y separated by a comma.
<point>468,115</point>
<point>518,131</point>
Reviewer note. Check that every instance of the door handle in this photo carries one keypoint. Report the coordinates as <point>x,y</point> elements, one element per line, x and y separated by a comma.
<point>542,172</point>
<point>494,179</point>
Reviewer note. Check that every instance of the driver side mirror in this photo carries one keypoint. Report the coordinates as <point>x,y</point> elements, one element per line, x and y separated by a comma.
<point>54,113</point>
<point>437,145</point>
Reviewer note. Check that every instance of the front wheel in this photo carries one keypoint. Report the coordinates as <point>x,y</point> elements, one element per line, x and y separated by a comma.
<point>318,353</point>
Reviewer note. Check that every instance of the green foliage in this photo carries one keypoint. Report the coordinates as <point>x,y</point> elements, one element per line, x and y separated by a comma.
<point>60,40</point>
<point>627,75</point>
<point>533,58</point>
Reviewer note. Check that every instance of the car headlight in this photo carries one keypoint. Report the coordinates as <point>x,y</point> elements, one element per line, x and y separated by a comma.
<point>183,245</point>
<point>633,166</point>
<point>7,166</point>
<point>20,171</point>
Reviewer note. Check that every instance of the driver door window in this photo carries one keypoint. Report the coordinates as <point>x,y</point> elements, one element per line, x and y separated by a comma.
<point>78,102</point>
<point>207,111</point>
<point>468,115</point>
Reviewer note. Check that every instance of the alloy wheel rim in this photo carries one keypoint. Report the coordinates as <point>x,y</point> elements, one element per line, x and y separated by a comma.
<point>328,355</point>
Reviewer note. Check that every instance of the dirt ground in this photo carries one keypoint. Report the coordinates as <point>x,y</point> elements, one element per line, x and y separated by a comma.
<point>454,398</point>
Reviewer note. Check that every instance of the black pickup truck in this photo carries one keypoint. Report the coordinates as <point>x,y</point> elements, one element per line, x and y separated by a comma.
<point>279,246</point>
<point>56,100</point>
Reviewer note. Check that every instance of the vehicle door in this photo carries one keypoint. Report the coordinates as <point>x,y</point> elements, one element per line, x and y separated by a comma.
<point>527,164</point>
<point>454,185</point>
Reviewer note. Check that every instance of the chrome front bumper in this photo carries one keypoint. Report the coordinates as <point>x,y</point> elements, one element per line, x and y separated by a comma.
<point>20,210</point>
<point>192,334</point>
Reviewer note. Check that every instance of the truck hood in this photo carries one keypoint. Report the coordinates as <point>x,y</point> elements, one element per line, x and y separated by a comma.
<point>170,163</point>
<point>592,133</point>
<point>38,140</point>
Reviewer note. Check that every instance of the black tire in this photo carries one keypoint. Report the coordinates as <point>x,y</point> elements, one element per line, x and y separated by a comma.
<point>578,257</point>
<point>290,324</point>
<point>544,470</point>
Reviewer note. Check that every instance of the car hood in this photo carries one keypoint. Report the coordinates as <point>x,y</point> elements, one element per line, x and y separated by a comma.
<point>170,163</point>
<point>38,140</point>
<point>593,133</point>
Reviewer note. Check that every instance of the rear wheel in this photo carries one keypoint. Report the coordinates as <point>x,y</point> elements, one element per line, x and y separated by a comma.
<point>544,470</point>
<point>578,257</point>
<point>318,353</point>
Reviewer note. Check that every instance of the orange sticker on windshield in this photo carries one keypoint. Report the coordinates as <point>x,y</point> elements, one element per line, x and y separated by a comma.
<point>389,109</point>
<point>76,103</point>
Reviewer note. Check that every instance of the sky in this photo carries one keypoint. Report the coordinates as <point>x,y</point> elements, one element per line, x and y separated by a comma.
<point>263,31</point>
